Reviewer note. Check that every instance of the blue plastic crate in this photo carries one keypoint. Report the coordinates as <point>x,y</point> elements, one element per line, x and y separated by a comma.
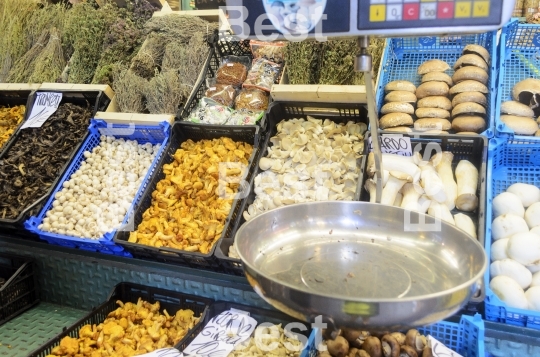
<point>158,134</point>
<point>465,337</point>
<point>519,59</point>
<point>509,163</point>
<point>402,56</point>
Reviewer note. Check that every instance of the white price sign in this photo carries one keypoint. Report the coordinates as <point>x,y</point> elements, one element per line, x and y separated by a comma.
<point>438,349</point>
<point>164,352</point>
<point>45,105</point>
<point>394,144</point>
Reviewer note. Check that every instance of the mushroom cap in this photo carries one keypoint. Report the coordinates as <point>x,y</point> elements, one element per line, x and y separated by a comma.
<point>338,347</point>
<point>432,113</point>
<point>471,60</point>
<point>469,86</point>
<point>512,107</point>
<point>468,108</point>
<point>407,351</point>
<point>477,50</point>
<point>464,97</point>
<point>428,89</point>
<point>520,125</point>
<point>400,96</point>
<point>440,102</point>
<point>395,119</point>
<point>524,91</point>
<point>467,133</point>
<point>397,107</point>
<point>390,346</point>
<point>468,123</point>
<point>400,129</point>
<point>400,85</point>
<point>425,124</point>
<point>437,77</point>
<point>434,65</point>
<point>470,73</point>
<point>372,345</point>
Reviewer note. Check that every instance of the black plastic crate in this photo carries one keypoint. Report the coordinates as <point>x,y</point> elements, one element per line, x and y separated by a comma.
<point>172,301</point>
<point>18,291</point>
<point>464,147</point>
<point>278,111</point>
<point>10,98</point>
<point>260,315</point>
<point>181,132</point>
<point>95,99</point>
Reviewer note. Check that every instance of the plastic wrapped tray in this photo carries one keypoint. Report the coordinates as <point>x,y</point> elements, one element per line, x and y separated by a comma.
<point>98,101</point>
<point>172,301</point>
<point>509,163</point>
<point>182,131</point>
<point>402,56</point>
<point>278,111</point>
<point>158,134</point>
<point>19,291</point>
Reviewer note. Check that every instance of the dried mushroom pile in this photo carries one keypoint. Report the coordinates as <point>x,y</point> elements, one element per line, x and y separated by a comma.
<point>441,103</point>
<point>187,210</point>
<point>428,186</point>
<point>10,118</point>
<point>37,157</point>
<point>269,336</point>
<point>352,343</point>
<point>130,330</point>
<point>520,113</point>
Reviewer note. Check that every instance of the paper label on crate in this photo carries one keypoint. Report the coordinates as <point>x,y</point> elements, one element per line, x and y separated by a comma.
<point>394,144</point>
<point>222,333</point>
<point>45,105</point>
<point>164,352</point>
<point>438,349</point>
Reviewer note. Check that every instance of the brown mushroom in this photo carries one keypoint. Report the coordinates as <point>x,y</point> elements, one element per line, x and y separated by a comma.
<point>528,92</point>
<point>512,107</point>
<point>469,86</point>
<point>395,119</point>
<point>397,107</point>
<point>520,125</point>
<point>363,334</point>
<point>324,354</point>
<point>400,85</point>
<point>428,352</point>
<point>428,89</point>
<point>470,73</point>
<point>400,337</point>
<point>440,102</point>
<point>400,129</point>
<point>472,123</point>
<point>352,352</point>
<point>434,65</point>
<point>362,353</point>
<point>432,113</point>
<point>407,351</point>
<point>468,108</point>
<point>416,340</point>
<point>372,345</point>
<point>477,50</point>
<point>400,96</point>
<point>338,347</point>
<point>537,133</point>
<point>424,124</point>
<point>471,60</point>
<point>464,97</point>
<point>351,335</point>
<point>390,346</point>
<point>355,352</point>
<point>437,77</point>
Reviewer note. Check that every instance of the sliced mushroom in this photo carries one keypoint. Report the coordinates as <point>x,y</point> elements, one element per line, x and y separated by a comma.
<point>400,337</point>
<point>390,346</point>
<point>440,102</point>
<point>520,125</point>
<point>434,65</point>
<point>464,97</point>
<point>468,108</point>
<point>469,86</point>
<point>407,351</point>
<point>395,119</point>
<point>512,107</point>
<point>424,124</point>
<point>397,107</point>
<point>432,113</point>
<point>437,77</point>
<point>526,91</point>
<point>477,50</point>
<point>400,85</point>
<point>428,89</point>
<point>400,96</point>
<point>470,73</point>
<point>372,345</point>
<point>471,60</point>
<point>415,340</point>
<point>471,123</point>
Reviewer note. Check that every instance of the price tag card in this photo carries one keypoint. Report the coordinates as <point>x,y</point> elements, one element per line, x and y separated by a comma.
<point>45,105</point>
<point>394,144</point>
<point>438,349</point>
<point>164,352</point>
<point>222,333</point>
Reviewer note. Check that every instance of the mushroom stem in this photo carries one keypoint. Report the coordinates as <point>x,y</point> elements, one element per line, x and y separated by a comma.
<point>467,183</point>
<point>443,165</point>
<point>391,189</point>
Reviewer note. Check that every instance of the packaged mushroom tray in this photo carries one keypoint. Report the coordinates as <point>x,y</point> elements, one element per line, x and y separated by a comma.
<point>312,152</point>
<point>192,199</point>
<point>444,178</point>
<point>438,90</point>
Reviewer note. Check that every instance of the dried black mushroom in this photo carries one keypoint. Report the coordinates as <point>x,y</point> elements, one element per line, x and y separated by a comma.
<point>31,165</point>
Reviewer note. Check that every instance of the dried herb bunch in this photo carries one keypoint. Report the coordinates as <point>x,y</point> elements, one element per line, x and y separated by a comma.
<point>50,63</point>
<point>32,164</point>
<point>148,61</point>
<point>129,89</point>
<point>179,27</point>
<point>191,60</point>
<point>46,17</point>
<point>23,69</point>
<point>164,93</point>
<point>302,60</point>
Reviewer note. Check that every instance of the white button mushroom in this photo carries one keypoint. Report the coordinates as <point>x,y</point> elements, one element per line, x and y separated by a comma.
<point>533,297</point>
<point>498,249</point>
<point>511,269</point>
<point>507,225</point>
<point>509,291</point>
<point>507,202</point>
<point>528,194</point>
<point>532,215</point>
<point>524,248</point>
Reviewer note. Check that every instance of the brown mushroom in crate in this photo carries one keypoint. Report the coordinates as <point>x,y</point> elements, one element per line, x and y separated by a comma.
<point>437,77</point>
<point>338,347</point>
<point>465,97</point>
<point>432,113</point>
<point>355,352</point>
<point>324,354</point>
<point>520,125</point>
<point>537,133</point>
<point>363,334</point>
<point>407,351</point>
<point>400,129</point>
<point>467,133</point>
<point>395,119</point>
<point>428,89</point>
<point>397,107</point>
<point>372,345</point>
<point>400,96</point>
<point>425,124</point>
<point>434,65</point>
<point>390,346</point>
<point>469,123</point>
<point>351,335</point>
<point>401,86</point>
<point>528,93</point>
<point>400,337</point>
<point>468,108</point>
<point>469,86</point>
<point>512,107</point>
<point>470,73</point>
<point>477,50</point>
<point>440,102</point>
<point>471,60</point>
<point>427,352</point>
<point>416,340</point>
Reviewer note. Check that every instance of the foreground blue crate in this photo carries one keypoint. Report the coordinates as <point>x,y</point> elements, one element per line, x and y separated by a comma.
<point>509,163</point>
<point>465,337</point>
<point>158,134</point>
<point>402,56</point>
<point>518,60</point>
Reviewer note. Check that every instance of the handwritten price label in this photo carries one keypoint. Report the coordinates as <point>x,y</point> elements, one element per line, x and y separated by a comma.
<point>222,334</point>
<point>164,352</point>
<point>438,349</point>
<point>394,144</point>
<point>45,105</point>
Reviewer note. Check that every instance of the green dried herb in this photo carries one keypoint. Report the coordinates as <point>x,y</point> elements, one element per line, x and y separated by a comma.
<point>337,61</point>
<point>51,62</point>
<point>192,60</point>
<point>148,61</point>
<point>129,90</point>
<point>164,93</point>
<point>179,27</point>
<point>302,60</point>
<point>23,69</point>
<point>47,17</point>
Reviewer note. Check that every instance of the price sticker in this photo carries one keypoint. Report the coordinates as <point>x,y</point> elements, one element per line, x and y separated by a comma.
<point>438,349</point>
<point>45,105</point>
<point>394,144</point>
<point>222,333</point>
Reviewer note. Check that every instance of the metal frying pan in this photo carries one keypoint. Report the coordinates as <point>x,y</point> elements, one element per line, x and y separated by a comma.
<point>356,264</point>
